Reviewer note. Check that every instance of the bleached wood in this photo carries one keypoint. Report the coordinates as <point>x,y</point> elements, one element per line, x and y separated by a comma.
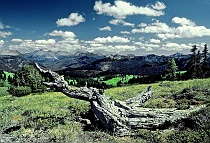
<point>120,117</point>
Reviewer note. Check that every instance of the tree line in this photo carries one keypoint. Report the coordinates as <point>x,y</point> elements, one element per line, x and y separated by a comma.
<point>27,81</point>
<point>198,68</point>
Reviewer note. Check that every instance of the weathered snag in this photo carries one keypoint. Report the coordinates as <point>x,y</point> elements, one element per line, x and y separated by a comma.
<point>120,117</point>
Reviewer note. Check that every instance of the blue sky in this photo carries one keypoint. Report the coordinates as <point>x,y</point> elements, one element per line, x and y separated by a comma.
<point>137,27</point>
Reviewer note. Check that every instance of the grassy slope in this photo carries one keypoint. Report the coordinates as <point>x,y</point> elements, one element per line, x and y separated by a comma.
<point>52,116</point>
<point>115,80</point>
<point>161,90</point>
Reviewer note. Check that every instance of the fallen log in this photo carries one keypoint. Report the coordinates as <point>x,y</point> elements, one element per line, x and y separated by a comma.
<point>120,117</point>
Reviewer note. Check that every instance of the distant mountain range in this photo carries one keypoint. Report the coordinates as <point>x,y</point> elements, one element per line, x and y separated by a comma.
<point>12,60</point>
<point>90,63</point>
<point>136,65</point>
<point>62,60</point>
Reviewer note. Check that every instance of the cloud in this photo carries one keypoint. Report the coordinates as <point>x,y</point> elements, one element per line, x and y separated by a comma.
<point>109,39</point>
<point>118,21</point>
<point>125,32</point>
<point>45,42</point>
<point>159,6</point>
<point>107,28</point>
<point>142,25</point>
<point>63,34</point>
<point>95,45</point>
<point>148,49</point>
<point>187,29</point>
<point>111,48</point>
<point>192,31</point>
<point>72,20</point>
<point>17,40</point>
<point>154,41</point>
<point>121,9</point>
<point>147,46</point>
<point>175,46</point>
<point>115,21</point>
<point>157,27</point>
<point>1,43</point>
<point>68,44</point>
<point>2,26</point>
<point>5,34</point>
<point>183,21</point>
<point>165,36</point>
<point>124,48</point>
<point>69,41</point>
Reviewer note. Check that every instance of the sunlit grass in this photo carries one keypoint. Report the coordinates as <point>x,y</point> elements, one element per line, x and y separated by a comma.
<point>163,92</point>
<point>115,80</point>
<point>55,114</point>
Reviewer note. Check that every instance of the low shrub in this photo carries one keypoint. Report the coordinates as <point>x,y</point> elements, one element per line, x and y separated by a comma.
<point>189,136</point>
<point>19,91</point>
<point>3,91</point>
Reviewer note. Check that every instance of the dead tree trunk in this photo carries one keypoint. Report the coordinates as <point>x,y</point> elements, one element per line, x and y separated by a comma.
<point>120,117</point>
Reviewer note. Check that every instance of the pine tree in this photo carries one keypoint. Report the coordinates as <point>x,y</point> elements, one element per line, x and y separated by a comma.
<point>205,55</point>
<point>199,72</point>
<point>193,66</point>
<point>10,79</point>
<point>171,71</point>
<point>16,80</point>
<point>205,65</point>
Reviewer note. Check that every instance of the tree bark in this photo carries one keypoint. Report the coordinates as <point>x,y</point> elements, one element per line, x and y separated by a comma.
<point>120,117</point>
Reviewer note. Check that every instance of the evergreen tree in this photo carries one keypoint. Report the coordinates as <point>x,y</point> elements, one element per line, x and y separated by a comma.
<point>28,77</point>
<point>16,80</point>
<point>171,71</point>
<point>1,76</point>
<point>4,77</point>
<point>10,79</point>
<point>205,65</point>
<point>205,55</point>
<point>199,73</point>
<point>193,68</point>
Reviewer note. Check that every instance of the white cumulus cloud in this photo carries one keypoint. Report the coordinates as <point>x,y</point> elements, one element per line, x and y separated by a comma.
<point>142,25</point>
<point>45,42</point>
<point>5,34</point>
<point>159,6</point>
<point>107,28</point>
<point>147,46</point>
<point>63,34</point>
<point>183,21</point>
<point>157,27</point>
<point>119,21</point>
<point>125,32</point>
<point>154,41</point>
<point>175,46</point>
<point>73,19</point>
<point>17,40</point>
<point>1,43</point>
<point>121,9</point>
<point>109,39</point>
<point>186,29</point>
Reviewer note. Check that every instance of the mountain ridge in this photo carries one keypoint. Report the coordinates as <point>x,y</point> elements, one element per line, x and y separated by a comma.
<point>94,62</point>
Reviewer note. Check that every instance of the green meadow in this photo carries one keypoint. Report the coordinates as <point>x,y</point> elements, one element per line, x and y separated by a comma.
<point>52,116</point>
